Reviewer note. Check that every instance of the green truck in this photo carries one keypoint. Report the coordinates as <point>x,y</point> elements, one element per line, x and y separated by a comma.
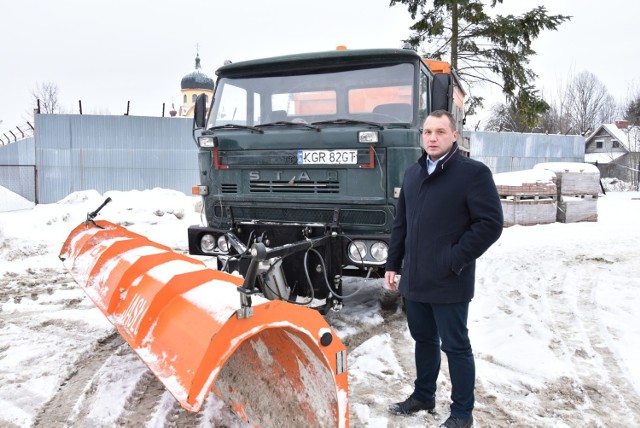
<point>301,159</point>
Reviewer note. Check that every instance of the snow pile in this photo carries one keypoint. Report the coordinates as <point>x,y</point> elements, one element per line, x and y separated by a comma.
<point>568,167</point>
<point>520,178</point>
<point>617,185</point>
<point>10,201</point>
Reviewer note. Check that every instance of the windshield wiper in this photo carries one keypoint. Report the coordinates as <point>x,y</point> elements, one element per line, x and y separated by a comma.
<point>232,126</point>
<point>285,123</point>
<point>348,122</point>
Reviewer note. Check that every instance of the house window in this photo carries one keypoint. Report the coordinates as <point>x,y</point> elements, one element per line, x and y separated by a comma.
<point>599,144</point>
<point>193,98</point>
<point>184,99</point>
<point>615,144</point>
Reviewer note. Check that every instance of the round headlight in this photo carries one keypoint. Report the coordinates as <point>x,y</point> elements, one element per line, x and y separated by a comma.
<point>379,251</point>
<point>223,244</point>
<point>357,251</point>
<point>207,243</point>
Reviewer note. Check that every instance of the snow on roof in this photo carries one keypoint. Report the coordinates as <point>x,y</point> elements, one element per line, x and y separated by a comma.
<point>528,176</point>
<point>567,167</point>
<point>602,157</point>
<point>627,137</point>
<point>10,201</point>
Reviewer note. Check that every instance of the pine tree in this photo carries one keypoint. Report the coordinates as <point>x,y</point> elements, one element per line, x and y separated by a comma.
<point>483,48</point>
<point>632,111</point>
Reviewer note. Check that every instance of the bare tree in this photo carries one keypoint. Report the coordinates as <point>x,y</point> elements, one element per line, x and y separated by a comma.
<point>556,120</point>
<point>47,93</point>
<point>507,117</point>
<point>589,104</point>
<point>518,114</point>
<point>501,119</point>
<point>610,111</point>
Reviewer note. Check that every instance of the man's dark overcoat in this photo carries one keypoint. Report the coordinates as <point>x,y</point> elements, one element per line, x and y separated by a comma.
<point>444,222</point>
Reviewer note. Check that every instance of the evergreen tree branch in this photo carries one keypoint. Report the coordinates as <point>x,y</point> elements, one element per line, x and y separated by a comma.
<point>492,49</point>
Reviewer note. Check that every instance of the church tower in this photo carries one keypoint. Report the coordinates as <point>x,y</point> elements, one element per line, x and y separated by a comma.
<point>192,85</point>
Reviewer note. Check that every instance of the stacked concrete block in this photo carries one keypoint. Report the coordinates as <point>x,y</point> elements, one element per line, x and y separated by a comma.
<point>572,209</point>
<point>578,189</point>
<point>528,197</point>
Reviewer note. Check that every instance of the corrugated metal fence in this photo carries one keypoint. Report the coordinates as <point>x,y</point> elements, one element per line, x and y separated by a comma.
<point>20,179</point>
<point>18,168</point>
<point>511,151</point>
<point>81,152</point>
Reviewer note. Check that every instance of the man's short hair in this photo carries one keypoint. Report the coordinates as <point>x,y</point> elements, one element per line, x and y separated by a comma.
<point>444,113</point>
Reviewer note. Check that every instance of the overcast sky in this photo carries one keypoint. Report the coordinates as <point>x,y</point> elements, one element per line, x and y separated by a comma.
<point>109,52</point>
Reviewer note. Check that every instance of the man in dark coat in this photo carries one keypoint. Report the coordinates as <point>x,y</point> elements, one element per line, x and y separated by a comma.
<point>448,215</point>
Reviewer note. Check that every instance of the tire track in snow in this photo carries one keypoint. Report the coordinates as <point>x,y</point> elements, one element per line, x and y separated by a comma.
<point>600,387</point>
<point>59,409</point>
<point>78,395</point>
<point>151,405</point>
<point>617,385</point>
<point>142,404</point>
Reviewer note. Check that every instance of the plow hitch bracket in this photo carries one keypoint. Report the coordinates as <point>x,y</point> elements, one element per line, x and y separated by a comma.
<point>92,215</point>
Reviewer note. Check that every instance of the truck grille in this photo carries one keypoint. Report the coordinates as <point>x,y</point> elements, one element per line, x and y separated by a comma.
<point>229,188</point>
<point>292,215</point>
<point>295,187</point>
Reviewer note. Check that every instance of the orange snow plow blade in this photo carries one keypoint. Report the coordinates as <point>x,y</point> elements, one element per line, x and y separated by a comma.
<point>272,363</point>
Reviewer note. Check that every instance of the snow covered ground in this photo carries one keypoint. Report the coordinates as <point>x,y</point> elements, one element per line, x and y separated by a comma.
<point>554,327</point>
<point>10,201</point>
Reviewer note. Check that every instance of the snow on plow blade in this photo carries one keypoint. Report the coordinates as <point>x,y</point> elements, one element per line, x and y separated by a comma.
<point>280,363</point>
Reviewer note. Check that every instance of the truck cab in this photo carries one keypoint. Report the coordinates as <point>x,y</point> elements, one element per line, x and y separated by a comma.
<point>301,159</point>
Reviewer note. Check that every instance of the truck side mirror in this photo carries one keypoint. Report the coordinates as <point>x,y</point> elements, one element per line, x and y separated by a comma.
<point>200,112</point>
<point>441,92</point>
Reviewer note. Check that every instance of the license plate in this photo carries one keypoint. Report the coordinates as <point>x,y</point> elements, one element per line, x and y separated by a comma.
<point>332,157</point>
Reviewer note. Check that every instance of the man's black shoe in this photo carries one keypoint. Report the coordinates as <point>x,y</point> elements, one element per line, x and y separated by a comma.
<point>453,422</point>
<point>410,406</point>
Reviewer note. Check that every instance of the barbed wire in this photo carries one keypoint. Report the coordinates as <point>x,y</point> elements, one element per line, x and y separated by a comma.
<point>17,133</point>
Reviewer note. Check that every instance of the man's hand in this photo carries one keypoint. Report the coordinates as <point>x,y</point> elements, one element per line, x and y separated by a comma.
<point>390,279</point>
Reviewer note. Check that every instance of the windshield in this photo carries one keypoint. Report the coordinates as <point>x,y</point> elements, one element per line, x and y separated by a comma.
<point>382,94</point>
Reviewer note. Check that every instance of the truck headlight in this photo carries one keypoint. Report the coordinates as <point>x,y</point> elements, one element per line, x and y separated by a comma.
<point>380,251</point>
<point>207,243</point>
<point>368,137</point>
<point>357,251</point>
<point>207,141</point>
<point>223,244</point>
